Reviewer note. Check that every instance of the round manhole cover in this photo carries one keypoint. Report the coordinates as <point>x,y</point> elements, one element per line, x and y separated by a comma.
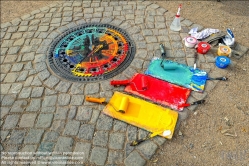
<point>91,52</point>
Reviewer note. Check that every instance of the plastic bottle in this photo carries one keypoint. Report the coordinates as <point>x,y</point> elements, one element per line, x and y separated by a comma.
<point>176,24</point>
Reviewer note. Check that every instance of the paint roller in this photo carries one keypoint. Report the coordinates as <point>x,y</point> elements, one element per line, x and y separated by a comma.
<point>144,83</point>
<point>163,65</point>
<point>124,103</point>
<point>138,141</point>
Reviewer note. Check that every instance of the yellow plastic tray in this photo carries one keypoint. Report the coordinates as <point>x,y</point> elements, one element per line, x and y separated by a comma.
<point>142,114</point>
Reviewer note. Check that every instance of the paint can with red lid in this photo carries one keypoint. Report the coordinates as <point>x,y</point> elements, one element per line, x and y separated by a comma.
<point>203,47</point>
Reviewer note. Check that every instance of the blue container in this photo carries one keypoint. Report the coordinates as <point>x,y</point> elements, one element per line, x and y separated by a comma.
<point>222,62</point>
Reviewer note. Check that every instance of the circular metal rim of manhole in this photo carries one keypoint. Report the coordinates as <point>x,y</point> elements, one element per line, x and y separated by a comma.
<point>118,61</point>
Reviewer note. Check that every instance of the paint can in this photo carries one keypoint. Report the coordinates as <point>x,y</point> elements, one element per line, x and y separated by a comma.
<point>190,42</point>
<point>222,62</point>
<point>224,50</point>
<point>203,47</point>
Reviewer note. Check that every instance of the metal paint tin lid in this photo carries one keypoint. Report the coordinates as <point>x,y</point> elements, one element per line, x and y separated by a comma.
<point>222,62</point>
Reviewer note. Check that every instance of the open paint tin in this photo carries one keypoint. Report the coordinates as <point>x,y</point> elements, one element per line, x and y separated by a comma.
<point>222,62</point>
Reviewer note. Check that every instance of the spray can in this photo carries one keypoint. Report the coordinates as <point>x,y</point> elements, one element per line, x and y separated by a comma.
<point>176,24</point>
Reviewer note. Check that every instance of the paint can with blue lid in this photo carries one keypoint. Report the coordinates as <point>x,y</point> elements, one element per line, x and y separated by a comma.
<point>222,62</point>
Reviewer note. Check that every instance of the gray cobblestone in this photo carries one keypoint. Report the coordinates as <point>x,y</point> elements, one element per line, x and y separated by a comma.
<point>5,88</point>
<point>95,116</point>
<point>4,134</point>
<point>83,147</point>
<point>84,113</point>
<point>22,28</point>
<point>45,147</point>
<point>23,76</point>
<point>28,66</point>
<point>13,50</point>
<point>16,35</point>
<point>104,122</point>
<point>119,126</point>
<point>77,88</point>
<point>4,111</point>
<point>51,136</point>
<point>19,42</point>
<point>134,159</point>
<point>27,120</point>
<point>115,157</point>
<point>137,63</point>
<point>131,133</point>
<point>49,101</point>
<point>11,121</point>
<point>17,137</point>
<point>37,91</point>
<point>44,120</point>
<point>5,68</point>
<point>77,100</point>
<point>86,131</point>
<point>34,136</point>
<point>63,99</point>
<point>2,76</point>
<point>148,148</point>
<point>72,112</point>
<point>11,77</point>
<point>34,105</point>
<point>177,45</point>
<point>25,93</point>
<point>98,155</point>
<point>19,106</point>
<point>72,127</point>
<point>58,125</point>
<point>11,58</point>
<point>7,43</point>
<point>61,113</point>
<point>64,144</point>
<point>36,82</point>
<point>48,109</point>
<point>129,72</point>
<point>50,92</point>
<point>100,138</point>
<point>40,66</point>
<point>29,148</point>
<point>116,141</point>
<point>51,81</point>
<point>43,75</point>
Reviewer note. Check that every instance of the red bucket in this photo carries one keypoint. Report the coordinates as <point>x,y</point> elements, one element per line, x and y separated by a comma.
<point>203,47</point>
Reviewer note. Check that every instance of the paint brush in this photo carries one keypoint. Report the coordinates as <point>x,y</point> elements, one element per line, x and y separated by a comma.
<point>163,53</point>
<point>218,78</point>
<point>194,103</point>
<point>138,141</point>
<point>195,60</point>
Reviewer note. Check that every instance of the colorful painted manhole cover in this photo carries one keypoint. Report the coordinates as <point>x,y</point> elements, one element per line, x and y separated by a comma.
<point>91,52</point>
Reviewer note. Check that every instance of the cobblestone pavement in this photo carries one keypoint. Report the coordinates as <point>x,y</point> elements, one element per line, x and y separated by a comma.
<point>43,113</point>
